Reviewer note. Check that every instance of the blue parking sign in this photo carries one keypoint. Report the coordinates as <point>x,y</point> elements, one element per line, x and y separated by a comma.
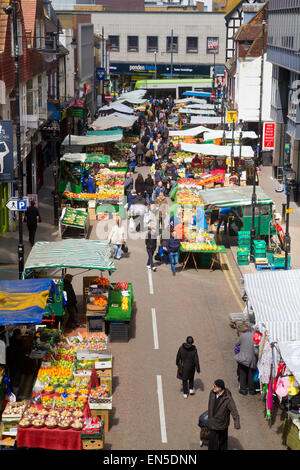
<point>100,73</point>
<point>22,205</point>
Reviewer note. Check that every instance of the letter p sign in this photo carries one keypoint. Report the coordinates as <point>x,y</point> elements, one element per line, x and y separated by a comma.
<point>22,205</point>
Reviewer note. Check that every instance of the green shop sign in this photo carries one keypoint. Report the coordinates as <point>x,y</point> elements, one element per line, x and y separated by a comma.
<point>76,112</point>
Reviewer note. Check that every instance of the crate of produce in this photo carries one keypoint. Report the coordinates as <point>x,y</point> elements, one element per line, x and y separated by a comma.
<point>92,444</point>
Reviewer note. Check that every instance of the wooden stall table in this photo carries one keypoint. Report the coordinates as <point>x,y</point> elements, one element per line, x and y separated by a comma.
<point>188,253</point>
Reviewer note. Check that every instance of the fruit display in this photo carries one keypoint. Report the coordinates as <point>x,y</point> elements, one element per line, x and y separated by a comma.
<point>101,282</point>
<point>100,300</point>
<point>98,394</point>
<point>14,410</point>
<point>116,164</point>
<point>90,342</point>
<point>186,246</point>
<point>75,217</point>
<point>121,286</point>
<point>124,303</point>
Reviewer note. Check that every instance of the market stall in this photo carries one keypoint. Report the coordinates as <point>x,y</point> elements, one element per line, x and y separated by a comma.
<point>73,223</point>
<point>191,225</point>
<point>240,198</point>
<point>272,300</point>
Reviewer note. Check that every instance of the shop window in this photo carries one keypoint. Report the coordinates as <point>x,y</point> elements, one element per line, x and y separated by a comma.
<point>192,44</point>
<point>29,98</point>
<point>152,43</point>
<point>132,43</point>
<point>175,43</point>
<point>114,42</point>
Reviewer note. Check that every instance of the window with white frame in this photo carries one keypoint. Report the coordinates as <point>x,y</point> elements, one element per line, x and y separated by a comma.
<point>29,97</point>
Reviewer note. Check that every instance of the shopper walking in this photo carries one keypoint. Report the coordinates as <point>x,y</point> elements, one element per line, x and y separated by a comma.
<point>151,244</point>
<point>149,186</point>
<point>15,359</point>
<point>117,238</point>
<point>32,216</point>
<point>71,306</point>
<point>128,184</point>
<point>139,184</point>
<point>187,362</point>
<point>140,151</point>
<point>173,247</point>
<point>220,406</point>
<point>246,358</point>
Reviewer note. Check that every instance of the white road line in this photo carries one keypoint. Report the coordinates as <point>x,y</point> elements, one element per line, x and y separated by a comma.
<point>154,324</point>
<point>150,281</point>
<point>163,430</point>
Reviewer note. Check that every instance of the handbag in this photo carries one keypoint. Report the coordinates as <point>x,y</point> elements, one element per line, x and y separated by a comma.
<point>203,420</point>
<point>125,247</point>
<point>180,370</point>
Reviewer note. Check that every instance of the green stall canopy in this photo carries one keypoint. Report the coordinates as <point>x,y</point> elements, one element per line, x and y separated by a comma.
<point>233,196</point>
<point>71,253</point>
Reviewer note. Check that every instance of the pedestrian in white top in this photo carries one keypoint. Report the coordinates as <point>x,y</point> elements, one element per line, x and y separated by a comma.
<point>117,238</point>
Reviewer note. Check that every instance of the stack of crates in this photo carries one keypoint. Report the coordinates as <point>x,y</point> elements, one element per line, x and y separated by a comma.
<point>243,250</point>
<point>259,249</point>
<point>279,261</point>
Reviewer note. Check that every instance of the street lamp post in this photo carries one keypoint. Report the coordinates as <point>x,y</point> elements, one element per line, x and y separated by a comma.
<point>155,64</point>
<point>232,149</point>
<point>290,177</point>
<point>12,10</point>
<point>253,203</point>
<point>240,152</point>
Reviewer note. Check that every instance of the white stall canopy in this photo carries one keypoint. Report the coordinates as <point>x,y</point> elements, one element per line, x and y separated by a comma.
<point>218,150</point>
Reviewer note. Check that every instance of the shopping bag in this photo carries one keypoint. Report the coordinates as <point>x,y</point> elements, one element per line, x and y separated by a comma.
<point>131,226</point>
<point>203,420</point>
<point>125,247</point>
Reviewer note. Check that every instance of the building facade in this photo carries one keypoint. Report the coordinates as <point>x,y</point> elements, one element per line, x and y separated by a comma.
<point>283,52</point>
<point>140,40</point>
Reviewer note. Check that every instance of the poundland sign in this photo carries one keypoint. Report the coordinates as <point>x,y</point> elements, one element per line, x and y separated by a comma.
<point>161,69</point>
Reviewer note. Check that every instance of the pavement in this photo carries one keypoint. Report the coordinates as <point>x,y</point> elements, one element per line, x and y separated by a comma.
<point>149,411</point>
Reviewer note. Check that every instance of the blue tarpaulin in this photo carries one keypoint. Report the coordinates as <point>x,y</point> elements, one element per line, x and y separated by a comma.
<point>24,301</point>
<point>198,94</point>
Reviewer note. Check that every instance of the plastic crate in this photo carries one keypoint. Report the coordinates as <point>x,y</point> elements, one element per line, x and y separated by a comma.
<point>259,244</point>
<point>119,332</point>
<point>243,262</point>
<point>244,234</point>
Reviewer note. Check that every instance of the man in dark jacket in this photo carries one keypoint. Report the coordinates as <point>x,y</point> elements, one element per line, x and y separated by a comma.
<point>128,184</point>
<point>220,406</point>
<point>138,210</point>
<point>187,362</point>
<point>140,151</point>
<point>71,301</point>
<point>247,358</point>
<point>149,186</point>
<point>32,216</point>
<point>151,244</point>
<point>173,247</point>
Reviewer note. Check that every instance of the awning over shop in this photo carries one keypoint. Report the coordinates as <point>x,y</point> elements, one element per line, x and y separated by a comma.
<point>82,140</point>
<point>218,134</point>
<point>198,112</point>
<point>190,100</point>
<point>197,94</point>
<point>206,120</point>
<point>116,106</point>
<point>71,253</point>
<point>196,106</point>
<point>192,132</point>
<point>275,299</point>
<point>290,353</point>
<point>85,158</point>
<point>24,301</point>
<point>113,120</point>
<point>118,132</point>
<point>233,196</point>
<point>218,150</point>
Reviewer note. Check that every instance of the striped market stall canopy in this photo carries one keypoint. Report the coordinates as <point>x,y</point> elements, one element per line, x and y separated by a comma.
<point>275,299</point>
<point>71,253</point>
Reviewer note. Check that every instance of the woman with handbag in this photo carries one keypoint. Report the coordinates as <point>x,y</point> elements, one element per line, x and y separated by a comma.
<point>117,238</point>
<point>187,362</point>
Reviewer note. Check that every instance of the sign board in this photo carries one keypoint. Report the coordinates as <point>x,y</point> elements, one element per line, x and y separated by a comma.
<point>33,197</point>
<point>108,97</point>
<point>15,204</point>
<point>100,73</point>
<point>268,135</point>
<point>231,116</point>
<point>76,113</point>
<point>212,45</point>
<point>6,151</point>
<point>289,211</point>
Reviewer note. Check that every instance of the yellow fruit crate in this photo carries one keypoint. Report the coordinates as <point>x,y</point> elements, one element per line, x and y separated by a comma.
<point>93,444</point>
